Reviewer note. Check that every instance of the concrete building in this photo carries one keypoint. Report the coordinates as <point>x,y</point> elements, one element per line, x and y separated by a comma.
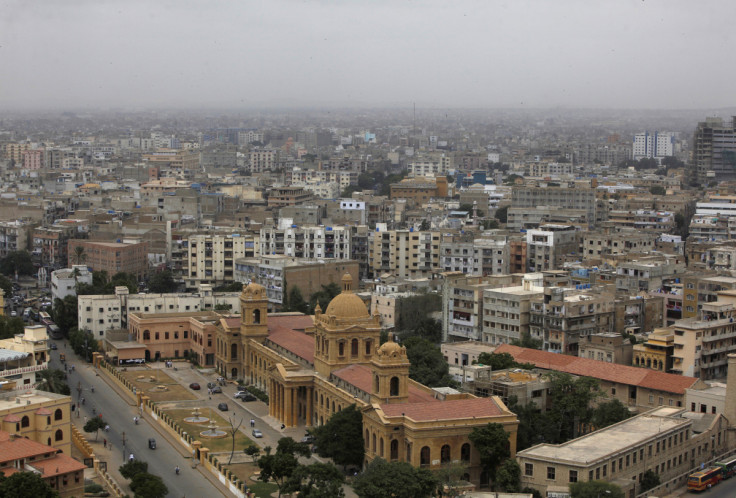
<point>506,311</point>
<point>102,313</point>
<point>175,335</point>
<point>405,253</point>
<point>562,317</point>
<point>289,196</point>
<point>40,416</point>
<point>462,306</point>
<point>600,244</point>
<point>648,273</point>
<point>653,145</point>
<point>699,289</point>
<point>21,357</point>
<point>210,258</point>
<point>262,159</point>
<point>610,347</point>
<point>307,242</point>
<point>711,399</point>
<point>314,366</point>
<point>558,197</point>
<point>420,190</point>
<point>656,352</point>
<point>64,282</point>
<point>463,354</point>
<point>280,274</point>
<point>714,151</point>
<point>547,246</point>
<point>112,257</point>
<point>13,236</point>
<point>671,442</point>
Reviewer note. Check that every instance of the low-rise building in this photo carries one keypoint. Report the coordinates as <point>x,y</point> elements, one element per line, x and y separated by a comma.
<point>506,310</point>
<point>610,347</point>
<point>21,357</point>
<point>111,257</point>
<point>656,352</point>
<point>64,282</point>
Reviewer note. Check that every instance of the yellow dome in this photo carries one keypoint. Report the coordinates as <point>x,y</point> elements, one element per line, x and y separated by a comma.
<point>347,305</point>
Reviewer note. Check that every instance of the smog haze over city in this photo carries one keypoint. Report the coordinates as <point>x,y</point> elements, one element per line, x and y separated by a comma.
<point>286,54</point>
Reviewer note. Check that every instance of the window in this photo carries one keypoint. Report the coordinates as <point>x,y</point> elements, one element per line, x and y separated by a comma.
<point>465,453</point>
<point>166,335</point>
<point>59,435</point>
<point>445,453</point>
<point>551,473</point>
<point>394,386</point>
<point>58,414</point>
<point>354,347</point>
<point>528,469</point>
<point>341,348</point>
<point>424,456</point>
<point>367,347</point>
<point>25,421</point>
<point>157,336</point>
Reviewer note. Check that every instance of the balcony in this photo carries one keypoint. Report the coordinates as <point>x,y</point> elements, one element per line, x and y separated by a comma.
<point>23,370</point>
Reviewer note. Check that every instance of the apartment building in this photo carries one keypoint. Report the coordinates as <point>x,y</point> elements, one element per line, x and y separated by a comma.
<point>639,314</point>
<point>462,306</point>
<point>13,236</point>
<point>105,312</point>
<point>563,316</point>
<point>342,178</point>
<point>262,159</point>
<point>405,253</point>
<point>610,347</point>
<point>653,145</point>
<point>307,242</point>
<point>699,289</point>
<point>559,197</point>
<point>506,310</point>
<point>279,274</point>
<point>671,442</point>
<point>547,246</point>
<point>22,356</point>
<point>714,149</point>
<point>435,165</point>
<point>210,258</point>
<point>648,273</point>
<point>656,351</point>
<point>420,190</point>
<point>622,241</point>
<point>111,257</point>
<point>476,256</point>
<point>177,162</point>
<point>289,196</point>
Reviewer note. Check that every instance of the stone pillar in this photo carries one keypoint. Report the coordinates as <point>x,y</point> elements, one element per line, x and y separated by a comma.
<point>310,400</point>
<point>203,452</point>
<point>272,401</point>
<point>730,411</point>
<point>288,406</point>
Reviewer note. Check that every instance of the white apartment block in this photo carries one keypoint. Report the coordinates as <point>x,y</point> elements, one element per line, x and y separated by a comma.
<point>210,259</point>
<point>506,312</point>
<point>342,178</point>
<point>436,165</point>
<point>260,160</point>
<point>307,242</point>
<point>100,313</point>
<point>64,282</point>
<point>250,136</point>
<point>658,144</point>
<point>404,253</point>
<point>321,190</point>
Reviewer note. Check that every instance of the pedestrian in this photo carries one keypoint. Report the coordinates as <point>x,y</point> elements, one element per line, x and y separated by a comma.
<point>252,423</point>
<point>104,443</point>
<point>282,427</point>
<point>131,457</point>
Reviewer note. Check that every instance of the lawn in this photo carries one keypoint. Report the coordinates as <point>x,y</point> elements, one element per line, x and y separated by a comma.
<point>174,392</point>
<point>262,489</point>
<point>215,445</point>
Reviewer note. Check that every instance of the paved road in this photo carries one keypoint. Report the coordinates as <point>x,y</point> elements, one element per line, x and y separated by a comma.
<point>726,489</point>
<point>119,414</point>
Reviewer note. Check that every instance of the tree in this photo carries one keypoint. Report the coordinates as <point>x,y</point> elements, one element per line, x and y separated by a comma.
<point>527,341</point>
<point>657,190</point>
<point>280,466</point>
<point>10,326</point>
<point>19,262</point>
<point>79,255</point>
<point>52,380</point>
<point>508,476</point>
<point>324,296</point>
<point>64,313</point>
<point>411,310</point>
<point>341,438</point>
<point>223,306</point>
<point>122,279</point>
<point>25,485</point>
<point>428,328</point>
<point>492,442</point>
<point>501,361</point>
<point>133,467</point>
<point>501,214</point>
<point>162,282</point>
<point>252,451</point>
<point>595,489</point>
<point>233,431</point>
<point>6,285</point>
<point>403,479</point>
<point>649,480</point>
<point>427,365</point>
<point>570,401</point>
<point>296,301</point>
<point>318,480</point>
<point>609,413</point>
<point>83,343</point>
<point>450,479</point>
<point>94,425</point>
<point>425,225</point>
<point>489,224</point>
<point>146,485</point>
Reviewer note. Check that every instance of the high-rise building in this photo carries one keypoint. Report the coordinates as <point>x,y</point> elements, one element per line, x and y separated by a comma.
<point>653,145</point>
<point>714,150</point>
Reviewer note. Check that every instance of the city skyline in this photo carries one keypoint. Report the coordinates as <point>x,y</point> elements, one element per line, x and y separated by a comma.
<point>648,55</point>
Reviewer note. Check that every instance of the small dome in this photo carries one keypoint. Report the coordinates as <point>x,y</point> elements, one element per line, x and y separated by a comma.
<point>347,305</point>
<point>389,348</point>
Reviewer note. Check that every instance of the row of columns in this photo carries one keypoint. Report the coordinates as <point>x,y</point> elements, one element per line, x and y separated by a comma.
<point>284,403</point>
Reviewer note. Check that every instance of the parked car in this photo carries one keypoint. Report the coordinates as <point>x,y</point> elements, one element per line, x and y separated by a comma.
<point>222,407</point>
<point>308,439</point>
<point>216,390</point>
<point>245,396</point>
<point>152,443</point>
<point>256,433</point>
<point>194,386</point>
<point>13,313</point>
<point>52,346</point>
<point>210,385</point>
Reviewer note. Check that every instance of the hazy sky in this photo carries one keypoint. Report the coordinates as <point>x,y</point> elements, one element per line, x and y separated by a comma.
<point>240,53</point>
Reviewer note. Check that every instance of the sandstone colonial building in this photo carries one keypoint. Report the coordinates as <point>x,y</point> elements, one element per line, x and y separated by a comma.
<point>312,367</point>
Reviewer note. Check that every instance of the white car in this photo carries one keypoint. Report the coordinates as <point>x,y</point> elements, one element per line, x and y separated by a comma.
<point>256,433</point>
<point>13,313</point>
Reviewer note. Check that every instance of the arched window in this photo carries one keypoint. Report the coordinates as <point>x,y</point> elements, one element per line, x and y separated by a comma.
<point>341,348</point>
<point>58,415</point>
<point>368,347</point>
<point>376,384</point>
<point>25,421</point>
<point>333,407</point>
<point>146,335</point>
<point>354,347</point>
<point>374,443</point>
<point>465,452</point>
<point>256,316</point>
<point>381,445</point>
<point>59,435</point>
<point>367,439</point>
<point>424,456</point>
<point>321,400</point>
<point>394,449</point>
<point>394,386</point>
<point>445,453</point>
<point>234,352</point>
<point>48,442</point>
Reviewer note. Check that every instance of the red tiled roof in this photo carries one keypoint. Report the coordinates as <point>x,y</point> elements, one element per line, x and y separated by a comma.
<point>20,448</point>
<point>12,418</point>
<point>611,372</point>
<point>284,331</point>
<point>43,411</point>
<point>444,410</point>
<point>360,376</point>
<point>58,465</point>
<point>233,322</point>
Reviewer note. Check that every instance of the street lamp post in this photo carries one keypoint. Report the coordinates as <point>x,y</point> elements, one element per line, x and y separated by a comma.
<point>123,436</point>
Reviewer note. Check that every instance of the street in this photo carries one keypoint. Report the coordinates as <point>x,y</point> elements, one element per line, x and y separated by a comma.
<point>726,489</point>
<point>119,413</point>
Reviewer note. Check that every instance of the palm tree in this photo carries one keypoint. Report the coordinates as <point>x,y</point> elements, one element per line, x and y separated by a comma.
<point>79,255</point>
<point>52,381</point>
